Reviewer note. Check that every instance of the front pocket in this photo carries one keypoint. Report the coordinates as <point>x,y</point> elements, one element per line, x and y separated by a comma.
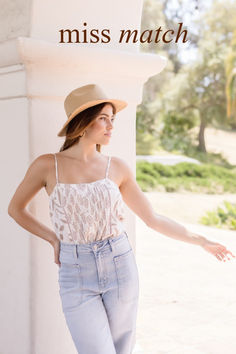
<point>67,255</point>
<point>127,276</point>
<point>70,283</point>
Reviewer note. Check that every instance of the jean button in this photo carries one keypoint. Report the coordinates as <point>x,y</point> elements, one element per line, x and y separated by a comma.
<point>95,247</point>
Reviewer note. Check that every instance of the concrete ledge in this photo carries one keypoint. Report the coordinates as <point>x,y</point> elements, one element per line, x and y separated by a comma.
<point>49,64</point>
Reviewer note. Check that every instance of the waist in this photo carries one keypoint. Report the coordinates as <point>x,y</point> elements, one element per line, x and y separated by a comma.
<point>94,244</point>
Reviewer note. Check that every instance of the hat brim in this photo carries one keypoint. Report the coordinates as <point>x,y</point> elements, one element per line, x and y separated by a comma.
<point>119,104</point>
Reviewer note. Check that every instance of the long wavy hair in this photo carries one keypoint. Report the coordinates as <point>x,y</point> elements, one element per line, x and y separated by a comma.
<point>77,126</point>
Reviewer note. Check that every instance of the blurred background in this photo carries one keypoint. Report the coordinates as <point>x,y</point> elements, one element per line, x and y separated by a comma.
<point>186,124</point>
<point>186,166</point>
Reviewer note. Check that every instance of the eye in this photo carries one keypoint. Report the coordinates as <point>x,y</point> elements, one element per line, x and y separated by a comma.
<point>112,119</point>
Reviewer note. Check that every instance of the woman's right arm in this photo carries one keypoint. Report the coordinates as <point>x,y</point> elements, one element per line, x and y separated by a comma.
<point>35,178</point>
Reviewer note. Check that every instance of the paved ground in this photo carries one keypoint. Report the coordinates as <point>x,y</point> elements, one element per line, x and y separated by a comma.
<point>220,141</point>
<point>187,297</point>
<point>165,159</point>
<point>217,141</point>
<point>193,205</point>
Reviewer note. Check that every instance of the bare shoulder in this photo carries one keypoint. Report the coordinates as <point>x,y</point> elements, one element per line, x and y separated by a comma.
<point>123,168</point>
<point>35,178</point>
<point>39,169</point>
<point>120,162</point>
<point>45,158</point>
<point>42,162</point>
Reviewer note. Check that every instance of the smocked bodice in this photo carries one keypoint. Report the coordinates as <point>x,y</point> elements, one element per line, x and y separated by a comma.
<point>86,212</point>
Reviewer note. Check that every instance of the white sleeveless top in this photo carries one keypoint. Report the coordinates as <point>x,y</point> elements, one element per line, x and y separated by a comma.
<point>86,212</point>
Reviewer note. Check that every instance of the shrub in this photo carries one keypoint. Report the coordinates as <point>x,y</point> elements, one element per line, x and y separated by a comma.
<point>204,178</point>
<point>221,217</point>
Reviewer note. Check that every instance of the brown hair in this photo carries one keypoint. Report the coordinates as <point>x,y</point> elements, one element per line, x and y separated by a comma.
<point>80,122</point>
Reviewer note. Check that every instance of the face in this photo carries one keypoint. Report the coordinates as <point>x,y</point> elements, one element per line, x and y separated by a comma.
<point>101,129</point>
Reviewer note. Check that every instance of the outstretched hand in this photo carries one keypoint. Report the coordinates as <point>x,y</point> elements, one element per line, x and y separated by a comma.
<point>218,250</point>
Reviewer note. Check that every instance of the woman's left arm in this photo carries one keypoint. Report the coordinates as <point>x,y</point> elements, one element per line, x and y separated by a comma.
<point>140,205</point>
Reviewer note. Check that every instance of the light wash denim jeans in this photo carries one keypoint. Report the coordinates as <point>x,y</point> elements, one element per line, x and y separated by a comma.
<point>99,290</point>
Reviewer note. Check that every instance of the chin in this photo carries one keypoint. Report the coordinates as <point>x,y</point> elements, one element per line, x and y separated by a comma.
<point>103,142</point>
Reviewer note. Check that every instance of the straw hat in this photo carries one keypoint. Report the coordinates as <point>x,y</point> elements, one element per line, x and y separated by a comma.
<point>84,97</point>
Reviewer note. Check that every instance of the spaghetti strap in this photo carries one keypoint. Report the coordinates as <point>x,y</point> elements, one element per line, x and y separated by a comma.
<point>108,165</point>
<point>56,167</point>
<point>72,206</point>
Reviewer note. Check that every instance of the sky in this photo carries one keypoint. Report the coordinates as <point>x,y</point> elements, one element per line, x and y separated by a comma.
<point>188,53</point>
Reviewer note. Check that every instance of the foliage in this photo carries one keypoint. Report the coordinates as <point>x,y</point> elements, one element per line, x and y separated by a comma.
<point>193,90</point>
<point>175,134</point>
<point>147,144</point>
<point>205,178</point>
<point>212,158</point>
<point>222,217</point>
<point>230,68</point>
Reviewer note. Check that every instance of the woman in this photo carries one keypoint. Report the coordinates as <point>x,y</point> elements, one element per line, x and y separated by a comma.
<point>98,275</point>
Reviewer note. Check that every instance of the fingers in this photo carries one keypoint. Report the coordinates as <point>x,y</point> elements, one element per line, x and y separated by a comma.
<point>57,261</point>
<point>218,257</point>
<point>226,252</point>
<point>231,253</point>
<point>57,256</point>
<point>221,254</point>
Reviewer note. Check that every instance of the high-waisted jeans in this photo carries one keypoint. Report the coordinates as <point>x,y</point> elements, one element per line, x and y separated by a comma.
<point>99,290</point>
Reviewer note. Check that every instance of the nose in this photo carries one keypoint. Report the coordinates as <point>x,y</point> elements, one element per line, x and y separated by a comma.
<point>110,125</point>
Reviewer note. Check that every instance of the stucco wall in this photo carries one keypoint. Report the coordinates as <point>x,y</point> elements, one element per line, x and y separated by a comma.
<point>14,19</point>
<point>35,75</point>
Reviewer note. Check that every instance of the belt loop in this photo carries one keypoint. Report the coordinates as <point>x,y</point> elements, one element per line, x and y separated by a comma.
<point>111,245</point>
<point>75,251</point>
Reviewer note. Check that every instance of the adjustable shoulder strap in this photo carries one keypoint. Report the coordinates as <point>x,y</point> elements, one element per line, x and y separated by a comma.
<point>108,165</point>
<point>56,167</point>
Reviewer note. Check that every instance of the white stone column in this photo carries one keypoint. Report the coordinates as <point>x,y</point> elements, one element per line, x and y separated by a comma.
<point>36,73</point>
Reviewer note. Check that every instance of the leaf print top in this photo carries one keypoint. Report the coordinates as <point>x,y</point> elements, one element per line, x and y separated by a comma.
<point>86,212</point>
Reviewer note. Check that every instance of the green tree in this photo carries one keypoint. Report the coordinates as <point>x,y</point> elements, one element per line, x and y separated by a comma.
<point>155,14</point>
<point>194,91</point>
<point>230,68</point>
<point>200,86</point>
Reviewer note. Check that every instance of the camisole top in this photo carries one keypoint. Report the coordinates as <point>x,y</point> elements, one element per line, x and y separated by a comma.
<point>86,212</point>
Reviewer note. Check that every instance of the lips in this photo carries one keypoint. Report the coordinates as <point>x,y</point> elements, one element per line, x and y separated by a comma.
<point>108,134</point>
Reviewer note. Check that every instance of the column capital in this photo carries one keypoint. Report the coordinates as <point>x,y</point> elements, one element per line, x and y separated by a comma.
<point>53,69</point>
